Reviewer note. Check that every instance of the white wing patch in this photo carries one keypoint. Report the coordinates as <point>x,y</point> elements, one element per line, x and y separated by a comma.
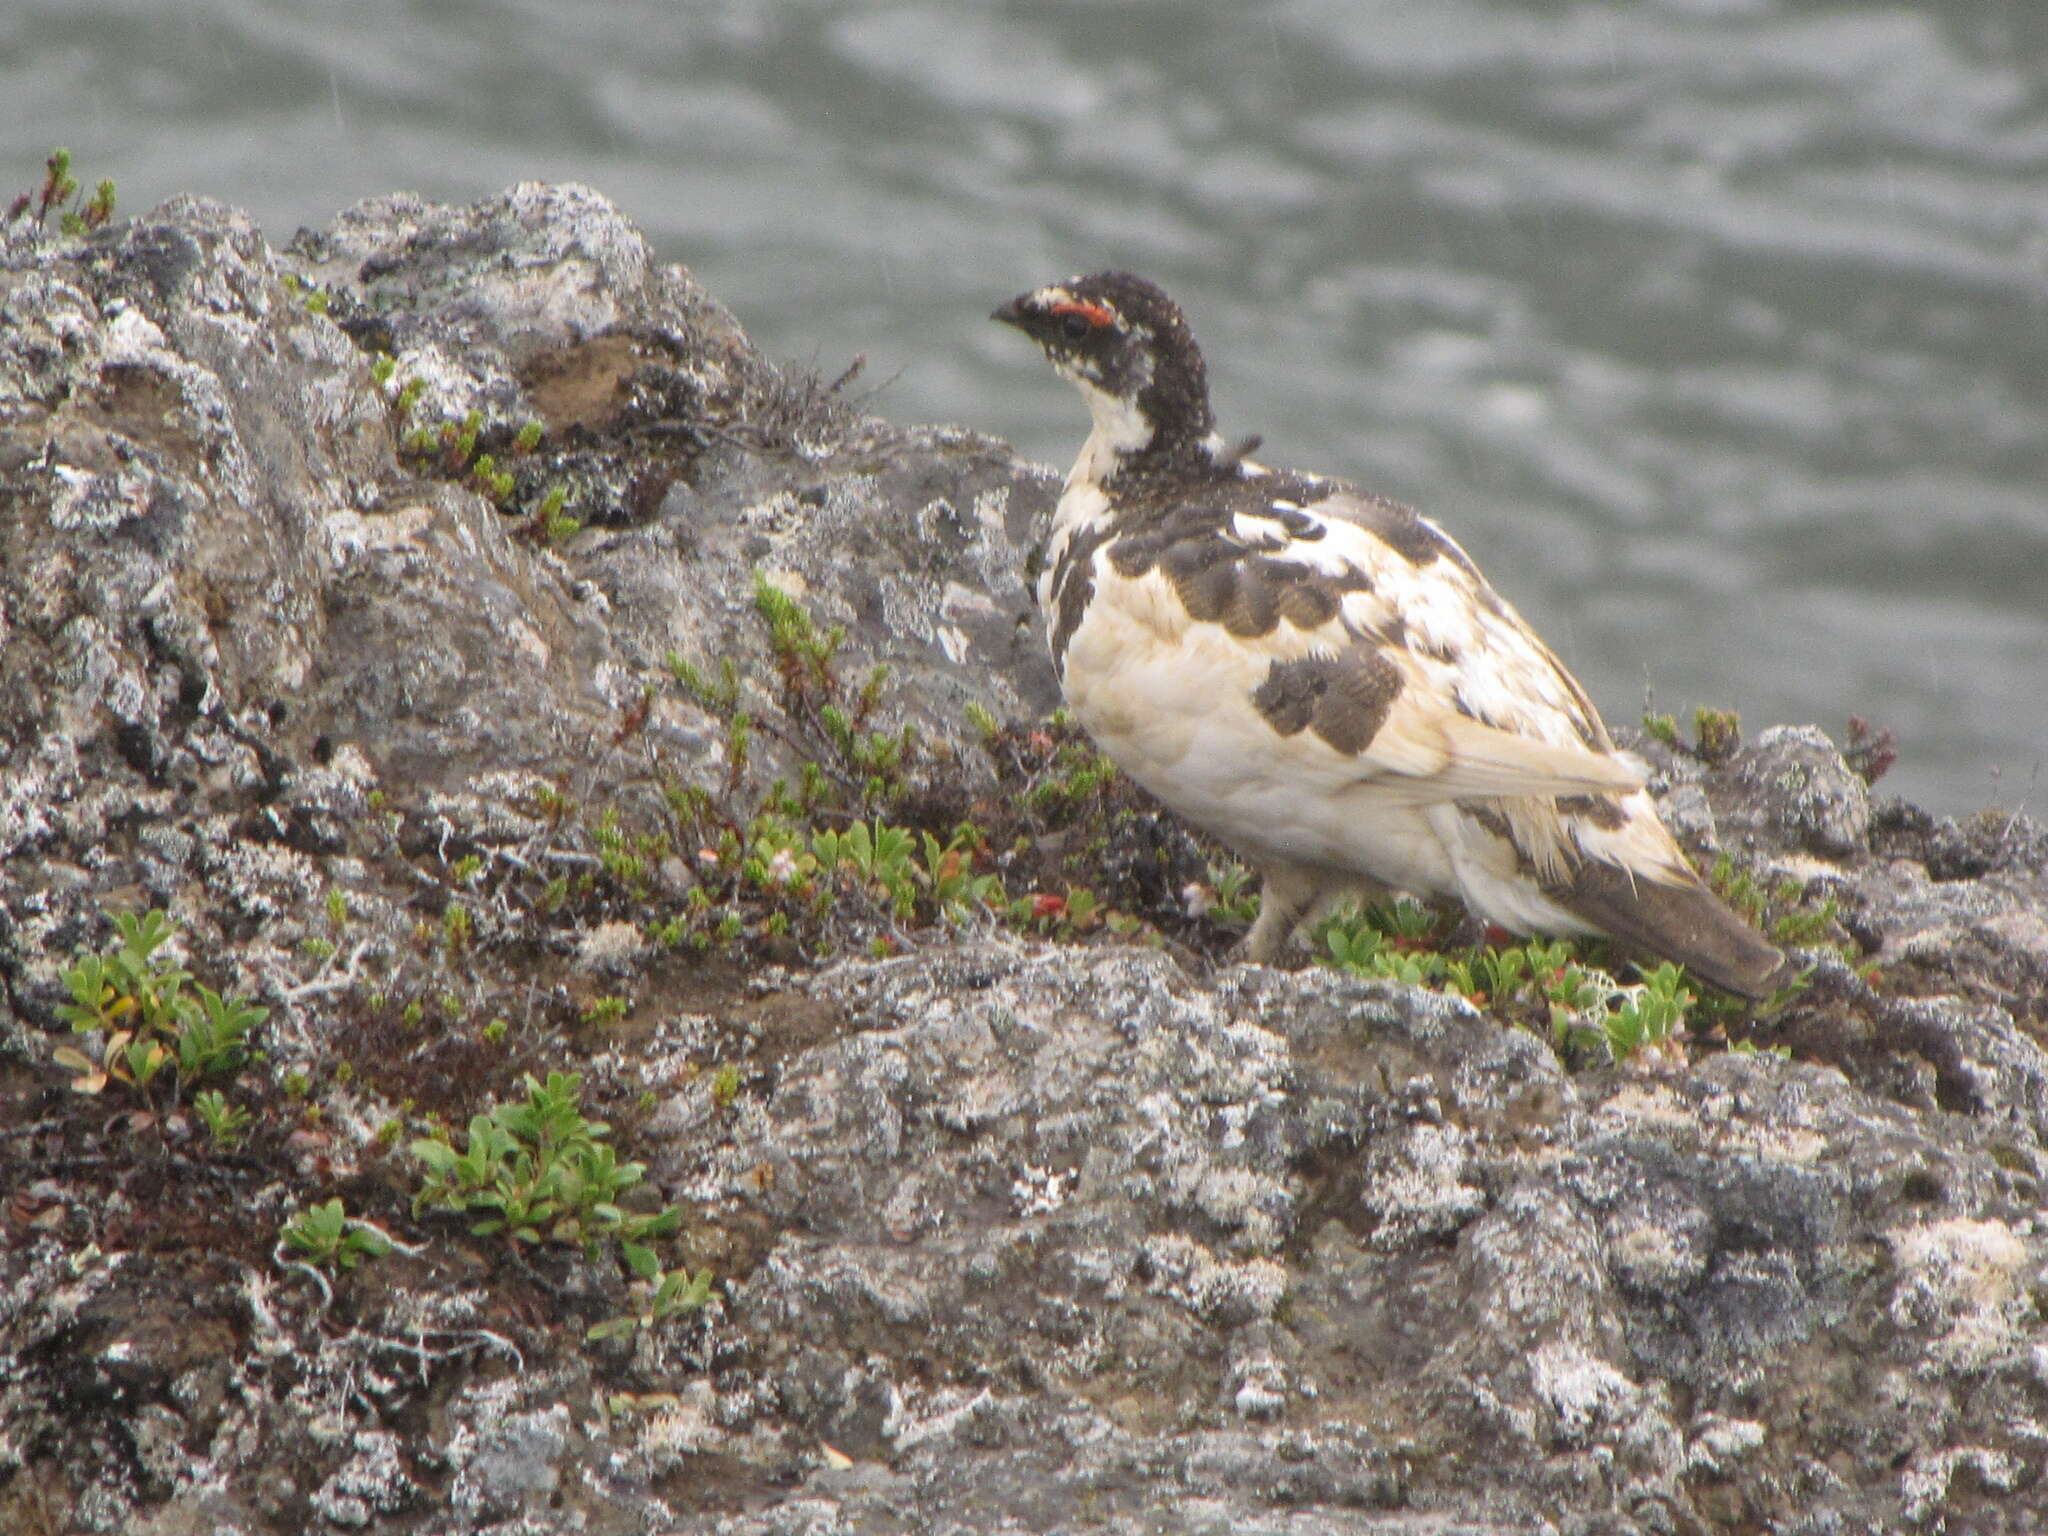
<point>1261,532</point>
<point>1476,652</point>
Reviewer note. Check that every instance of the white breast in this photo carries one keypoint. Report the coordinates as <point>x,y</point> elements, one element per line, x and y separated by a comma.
<point>1170,701</point>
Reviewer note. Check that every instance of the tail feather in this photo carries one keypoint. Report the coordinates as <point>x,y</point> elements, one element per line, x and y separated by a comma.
<point>1685,922</point>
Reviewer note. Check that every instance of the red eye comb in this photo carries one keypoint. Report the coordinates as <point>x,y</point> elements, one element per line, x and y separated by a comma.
<point>1097,315</point>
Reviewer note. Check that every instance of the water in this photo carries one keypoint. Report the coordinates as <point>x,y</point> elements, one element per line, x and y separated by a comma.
<point>1713,328</point>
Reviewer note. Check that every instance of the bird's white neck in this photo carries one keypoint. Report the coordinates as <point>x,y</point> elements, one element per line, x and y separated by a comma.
<point>1121,429</point>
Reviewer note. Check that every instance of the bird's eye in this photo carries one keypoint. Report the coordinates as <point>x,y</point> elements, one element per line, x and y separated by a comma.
<point>1075,327</point>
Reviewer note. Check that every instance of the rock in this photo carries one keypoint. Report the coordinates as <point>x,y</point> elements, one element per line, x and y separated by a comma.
<point>1810,797</point>
<point>511,1466</point>
<point>266,579</point>
<point>546,306</point>
<point>1015,1223</point>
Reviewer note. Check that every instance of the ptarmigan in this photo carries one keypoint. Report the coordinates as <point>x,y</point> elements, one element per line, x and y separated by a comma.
<point>1323,680</point>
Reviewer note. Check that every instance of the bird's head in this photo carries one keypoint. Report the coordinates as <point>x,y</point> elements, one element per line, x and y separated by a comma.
<point>1128,349</point>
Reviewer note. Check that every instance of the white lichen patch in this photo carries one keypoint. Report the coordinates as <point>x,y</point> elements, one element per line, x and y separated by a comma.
<point>1255,1207</point>
<point>782,513</point>
<point>979,1102</point>
<point>400,534</point>
<point>505,1459</point>
<point>371,1482</point>
<point>1040,1191</point>
<point>500,806</point>
<point>890,1290</point>
<point>912,1209</point>
<point>613,946</point>
<point>1719,1445</point>
<point>1773,1144</point>
<point>53,329</point>
<point>1649,1104</point>
<point>1416,1187</point>
<point>1925,1487</point>
<point>958,602</point>
<point>684,1427</point>
<point>95,503</point>
<point>1257,1385</point>
<point>262,879</point>
<point>992,511</point>
<point>447,386</point>
<point>2023,932</point>
<point>1582,1390</point>
<point>1219,1292</point>
<point>1960,1280</point>
<point>1660,1256</point>
<point>949,1414</point>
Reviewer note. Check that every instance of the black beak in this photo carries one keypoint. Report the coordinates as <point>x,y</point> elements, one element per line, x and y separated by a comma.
<point>1013,313</point>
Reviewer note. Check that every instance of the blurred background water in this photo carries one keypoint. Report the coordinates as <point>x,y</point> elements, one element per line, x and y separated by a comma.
<point>1713,328</point>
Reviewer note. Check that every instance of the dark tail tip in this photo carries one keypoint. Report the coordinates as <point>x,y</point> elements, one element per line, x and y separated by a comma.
<point>1685,923</point>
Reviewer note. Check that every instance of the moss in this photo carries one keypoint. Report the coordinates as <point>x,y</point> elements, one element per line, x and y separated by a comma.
<point>1718,734</point>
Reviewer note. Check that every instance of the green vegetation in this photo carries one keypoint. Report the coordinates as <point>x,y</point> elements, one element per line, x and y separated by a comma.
<point>1649,1014</point>
<point>1787,911</point>
<point>455,927</point>
<point>605,1010</point>
<point>327,1235</point>
<point>61,194</point>
<point>227,1125</point>
<point>315,299</point>
<point>1234,903</point>
<point>1662,728</point>
<point>855,849</point>
<point>1540,984</point>
<point>135,998</point>
<point>660,1295</point>
<point>725,1085</point>
<point>451,449</point>
<point>1717,734</point>
<point>550,524</point>
<point>454,450</point>
<point>537,1171</point>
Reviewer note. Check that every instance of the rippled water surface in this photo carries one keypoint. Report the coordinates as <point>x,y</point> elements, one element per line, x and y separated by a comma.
<point>1717,330</point>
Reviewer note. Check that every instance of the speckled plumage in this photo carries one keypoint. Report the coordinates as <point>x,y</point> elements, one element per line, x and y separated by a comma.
<point>1322,678</point>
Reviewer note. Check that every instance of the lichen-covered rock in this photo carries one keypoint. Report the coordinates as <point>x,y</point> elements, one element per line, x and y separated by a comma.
<point>173,433</point>
<point>1009,1233</point>
<point>1799,785</point>
<point>216,561</point>
<point>1413,1261</point>
<point>697,464</point>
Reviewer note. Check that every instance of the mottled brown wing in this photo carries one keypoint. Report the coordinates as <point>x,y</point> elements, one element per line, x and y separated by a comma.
<point>1312,650</point>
